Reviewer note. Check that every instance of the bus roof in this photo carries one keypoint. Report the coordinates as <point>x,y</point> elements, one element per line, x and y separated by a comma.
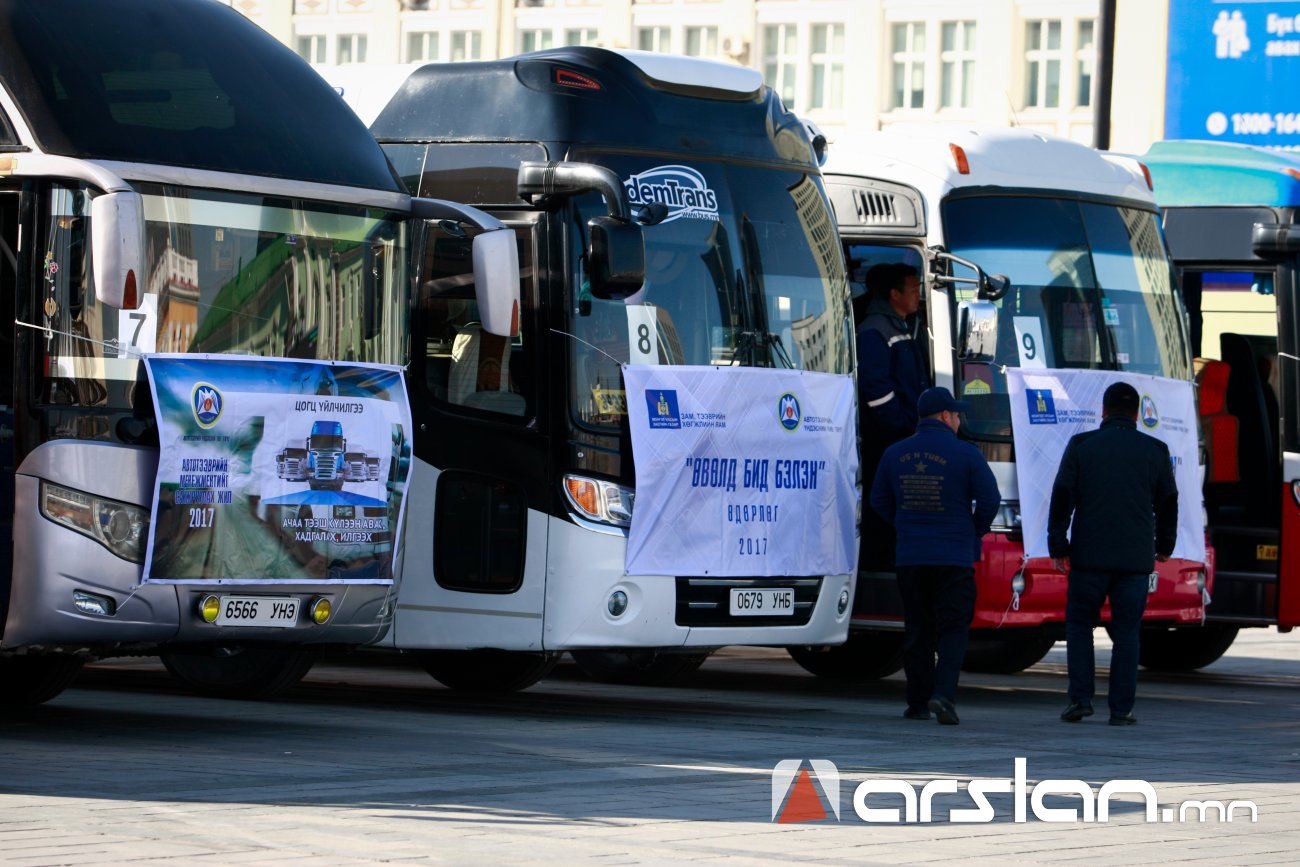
<point>1190,173</point>
<point>188,83</point>
<point>601,98</point>
<point>922,156</point>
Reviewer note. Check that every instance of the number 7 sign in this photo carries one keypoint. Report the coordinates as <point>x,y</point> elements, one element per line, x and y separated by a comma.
<point>137,330</point>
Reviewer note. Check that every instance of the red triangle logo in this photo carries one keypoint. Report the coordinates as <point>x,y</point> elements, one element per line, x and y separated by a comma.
<point>803,805</point>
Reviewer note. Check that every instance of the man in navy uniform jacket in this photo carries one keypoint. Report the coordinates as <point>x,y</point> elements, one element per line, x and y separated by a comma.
<point>1117,484</point>
<point>924,487</point>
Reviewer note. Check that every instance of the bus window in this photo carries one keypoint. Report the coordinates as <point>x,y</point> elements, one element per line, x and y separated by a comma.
<point>463,364</point>
<point>1234,302</point>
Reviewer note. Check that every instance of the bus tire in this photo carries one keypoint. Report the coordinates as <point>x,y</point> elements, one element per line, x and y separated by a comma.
<point>1005,654</point>
<point>486,669</point>
<point>1184,649</point>
<point>637,667</point>
<point>31,680</point>
<point>241,671</point>
<point>865,656</point>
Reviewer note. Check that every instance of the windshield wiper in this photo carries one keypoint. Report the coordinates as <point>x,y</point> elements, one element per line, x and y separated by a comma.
<point>752,340</point>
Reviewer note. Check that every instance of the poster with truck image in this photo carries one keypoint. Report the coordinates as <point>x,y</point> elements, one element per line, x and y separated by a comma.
<point>277,470</point>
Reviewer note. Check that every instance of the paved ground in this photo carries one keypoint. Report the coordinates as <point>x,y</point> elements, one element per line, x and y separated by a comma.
<point>377,764</point>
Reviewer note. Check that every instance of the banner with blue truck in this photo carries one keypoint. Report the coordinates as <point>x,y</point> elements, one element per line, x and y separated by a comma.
<point>276,470</point>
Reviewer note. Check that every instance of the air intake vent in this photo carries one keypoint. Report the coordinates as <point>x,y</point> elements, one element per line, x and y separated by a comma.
<point>876,207</point>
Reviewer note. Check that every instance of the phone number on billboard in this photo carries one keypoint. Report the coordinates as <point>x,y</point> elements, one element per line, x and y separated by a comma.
<point>1263,123</point>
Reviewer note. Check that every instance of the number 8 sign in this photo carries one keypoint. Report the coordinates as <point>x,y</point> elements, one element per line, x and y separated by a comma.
<point>642,334</point>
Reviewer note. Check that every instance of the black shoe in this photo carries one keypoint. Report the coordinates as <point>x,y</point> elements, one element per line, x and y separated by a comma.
<point>1076,711</point>
<point>945,711</point>
<point>1126,719</point>
<point>916,713</point>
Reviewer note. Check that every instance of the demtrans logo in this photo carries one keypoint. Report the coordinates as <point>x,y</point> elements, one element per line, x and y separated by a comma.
<point>681,188</point>
<point>799,795</point>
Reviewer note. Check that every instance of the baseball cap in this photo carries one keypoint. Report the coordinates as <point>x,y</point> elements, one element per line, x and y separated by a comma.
<point>935,400</point>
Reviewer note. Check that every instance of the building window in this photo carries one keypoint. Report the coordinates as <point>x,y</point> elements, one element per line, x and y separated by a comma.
<point>781,59</point>
<point>312,48</point>
<point>654,39</point>
<point>909,64</point>
<point>466,45</point>
<point>421,46</point>
<point>1043,64</point>
<point>957,64</point>
<point>827,66</point>
<point>1084,58</point>
<point>534,40</point>
<point>581,36</point>
<point>352,48</point>
<point>701,41</point>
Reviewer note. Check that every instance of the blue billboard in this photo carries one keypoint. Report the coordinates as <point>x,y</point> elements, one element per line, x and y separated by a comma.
<point>1234,71</point>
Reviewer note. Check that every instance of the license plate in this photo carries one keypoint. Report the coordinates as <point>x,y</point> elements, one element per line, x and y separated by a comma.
<point>1152,580</point>
<point>766,601</point>
<point>1266,552</point>
<point>271,611</point>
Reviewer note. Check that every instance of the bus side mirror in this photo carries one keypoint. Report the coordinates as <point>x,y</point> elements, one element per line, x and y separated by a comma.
<point>977,331</point>
<point>496,281</point>
<point>1271,240</point>
<point>615,258</point>
<point>117,250</point>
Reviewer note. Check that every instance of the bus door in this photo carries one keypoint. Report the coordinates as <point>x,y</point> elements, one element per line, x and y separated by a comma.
<point>1235,329</point>
<point>474,574</point>
<point>9,200</point>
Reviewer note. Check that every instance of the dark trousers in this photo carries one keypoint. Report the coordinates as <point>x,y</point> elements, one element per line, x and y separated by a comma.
<point>938,604</point>
<point>1127,592</point>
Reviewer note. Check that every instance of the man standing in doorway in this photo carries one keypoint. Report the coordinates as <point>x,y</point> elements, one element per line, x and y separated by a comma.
<point>1115,494</point>
<point>891,375</point>
<point>925,487</point>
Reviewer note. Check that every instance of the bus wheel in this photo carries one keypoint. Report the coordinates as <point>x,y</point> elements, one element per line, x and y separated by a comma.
<point>246,672</point>
<point>32,680</point>
<point>865,656</point>
<point>486,670</point>
<point>1184,649</point>
<point>637,667</point>
<point>1005,654</point>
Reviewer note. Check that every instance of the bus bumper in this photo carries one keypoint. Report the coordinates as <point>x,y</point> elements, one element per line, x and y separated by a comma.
<point>585,569</point>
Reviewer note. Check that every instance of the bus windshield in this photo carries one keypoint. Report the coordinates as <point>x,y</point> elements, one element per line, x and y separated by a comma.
<point>746,270</point>
<point>226,273</point>
<point>1091,288</point>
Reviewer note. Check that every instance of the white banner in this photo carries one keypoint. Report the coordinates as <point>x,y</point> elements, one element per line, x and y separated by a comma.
<point>742,471</point>
<point>1050,406</point>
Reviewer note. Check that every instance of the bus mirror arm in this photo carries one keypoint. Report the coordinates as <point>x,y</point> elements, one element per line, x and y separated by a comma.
<point>538,179</point>
<point>988,287</point>
<point>1271,240</point>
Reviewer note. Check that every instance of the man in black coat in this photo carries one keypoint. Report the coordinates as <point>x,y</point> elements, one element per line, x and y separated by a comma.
<point>1118,486</point>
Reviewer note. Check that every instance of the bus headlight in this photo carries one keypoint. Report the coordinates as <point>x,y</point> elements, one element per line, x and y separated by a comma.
<point>119,527</point>
<point>598,500</point>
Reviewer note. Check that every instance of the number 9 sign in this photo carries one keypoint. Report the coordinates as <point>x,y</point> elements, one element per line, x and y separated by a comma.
<point>1029,341</point>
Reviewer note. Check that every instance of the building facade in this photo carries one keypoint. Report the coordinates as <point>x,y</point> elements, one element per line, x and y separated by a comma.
<point>852,66</point>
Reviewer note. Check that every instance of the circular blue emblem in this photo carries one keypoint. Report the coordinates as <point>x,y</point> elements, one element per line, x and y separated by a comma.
<point>207,404</point>
<point>1148,413</point>
<point>788,412</point>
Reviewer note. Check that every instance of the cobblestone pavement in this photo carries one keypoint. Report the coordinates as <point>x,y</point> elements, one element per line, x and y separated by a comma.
<point>370,764</point>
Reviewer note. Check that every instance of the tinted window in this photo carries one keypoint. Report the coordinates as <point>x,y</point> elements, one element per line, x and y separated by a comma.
<point>186,82</point>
